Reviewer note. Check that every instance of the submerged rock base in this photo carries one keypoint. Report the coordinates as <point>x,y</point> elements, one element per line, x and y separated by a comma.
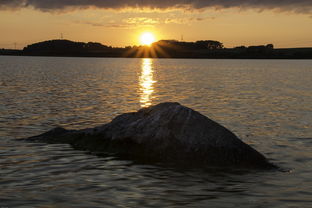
<point>167,133</point>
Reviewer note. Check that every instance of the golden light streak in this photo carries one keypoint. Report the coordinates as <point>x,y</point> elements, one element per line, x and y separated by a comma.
<point>146,82</point>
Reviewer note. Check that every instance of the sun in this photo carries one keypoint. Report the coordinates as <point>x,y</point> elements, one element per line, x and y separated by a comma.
<point>147,38</point>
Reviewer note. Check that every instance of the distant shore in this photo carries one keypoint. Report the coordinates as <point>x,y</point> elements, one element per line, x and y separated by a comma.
<point>162,49</point>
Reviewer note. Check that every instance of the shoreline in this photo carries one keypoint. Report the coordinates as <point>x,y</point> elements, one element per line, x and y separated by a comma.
<point>133,57</point>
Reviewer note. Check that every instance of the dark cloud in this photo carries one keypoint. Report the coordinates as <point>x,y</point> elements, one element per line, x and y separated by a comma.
<point>300,6</point>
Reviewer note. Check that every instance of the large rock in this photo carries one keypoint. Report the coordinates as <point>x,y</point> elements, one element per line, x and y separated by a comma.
<point>167,132</point>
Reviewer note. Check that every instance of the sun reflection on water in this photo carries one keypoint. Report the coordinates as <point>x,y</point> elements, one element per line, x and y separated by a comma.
<point>146,82</point>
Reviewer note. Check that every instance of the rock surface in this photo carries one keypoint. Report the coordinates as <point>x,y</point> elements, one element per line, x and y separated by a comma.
<point>167,132</point>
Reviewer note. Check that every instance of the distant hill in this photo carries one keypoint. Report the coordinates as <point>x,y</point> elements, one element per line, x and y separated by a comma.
<point>10,52</point>
<point>70,48</point>
<point>160,49</point>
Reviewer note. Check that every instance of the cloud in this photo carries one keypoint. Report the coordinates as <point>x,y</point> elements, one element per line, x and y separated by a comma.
<point>127,23</point>
<point>186,20</point>
<point>142,21</point>
<point>299,6</point>
<point>134,22</point>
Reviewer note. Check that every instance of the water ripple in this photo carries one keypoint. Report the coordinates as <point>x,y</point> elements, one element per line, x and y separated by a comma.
<point>267,103</point>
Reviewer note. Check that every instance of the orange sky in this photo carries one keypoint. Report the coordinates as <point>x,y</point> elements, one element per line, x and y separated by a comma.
<point>232,26</point>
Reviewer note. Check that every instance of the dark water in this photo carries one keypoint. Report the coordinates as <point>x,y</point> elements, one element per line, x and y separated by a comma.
<point>267,103</point>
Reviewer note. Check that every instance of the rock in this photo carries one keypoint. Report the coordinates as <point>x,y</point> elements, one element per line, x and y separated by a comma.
<point>168,133</point>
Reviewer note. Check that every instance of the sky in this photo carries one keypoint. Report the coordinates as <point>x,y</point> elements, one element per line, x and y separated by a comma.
<point>119,23</point>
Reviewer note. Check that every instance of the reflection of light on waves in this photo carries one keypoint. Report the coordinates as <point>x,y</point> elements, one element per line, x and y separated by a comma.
<point>146,82</point>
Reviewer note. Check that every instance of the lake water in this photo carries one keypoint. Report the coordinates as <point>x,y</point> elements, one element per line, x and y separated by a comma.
<point>267,103</point>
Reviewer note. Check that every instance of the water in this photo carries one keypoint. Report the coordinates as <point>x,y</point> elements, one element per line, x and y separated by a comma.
<point>267,103</point>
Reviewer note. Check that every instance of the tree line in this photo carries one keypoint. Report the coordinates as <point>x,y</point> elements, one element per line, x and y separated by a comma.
<point>159,49</point>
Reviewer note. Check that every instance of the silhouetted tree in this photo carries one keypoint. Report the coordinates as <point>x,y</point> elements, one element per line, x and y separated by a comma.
<point>210,44</point>
<point>269,46</point>
<point>240,47</point>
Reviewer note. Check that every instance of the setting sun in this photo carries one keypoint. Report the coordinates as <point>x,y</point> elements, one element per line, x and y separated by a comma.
<point>147,38</point>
